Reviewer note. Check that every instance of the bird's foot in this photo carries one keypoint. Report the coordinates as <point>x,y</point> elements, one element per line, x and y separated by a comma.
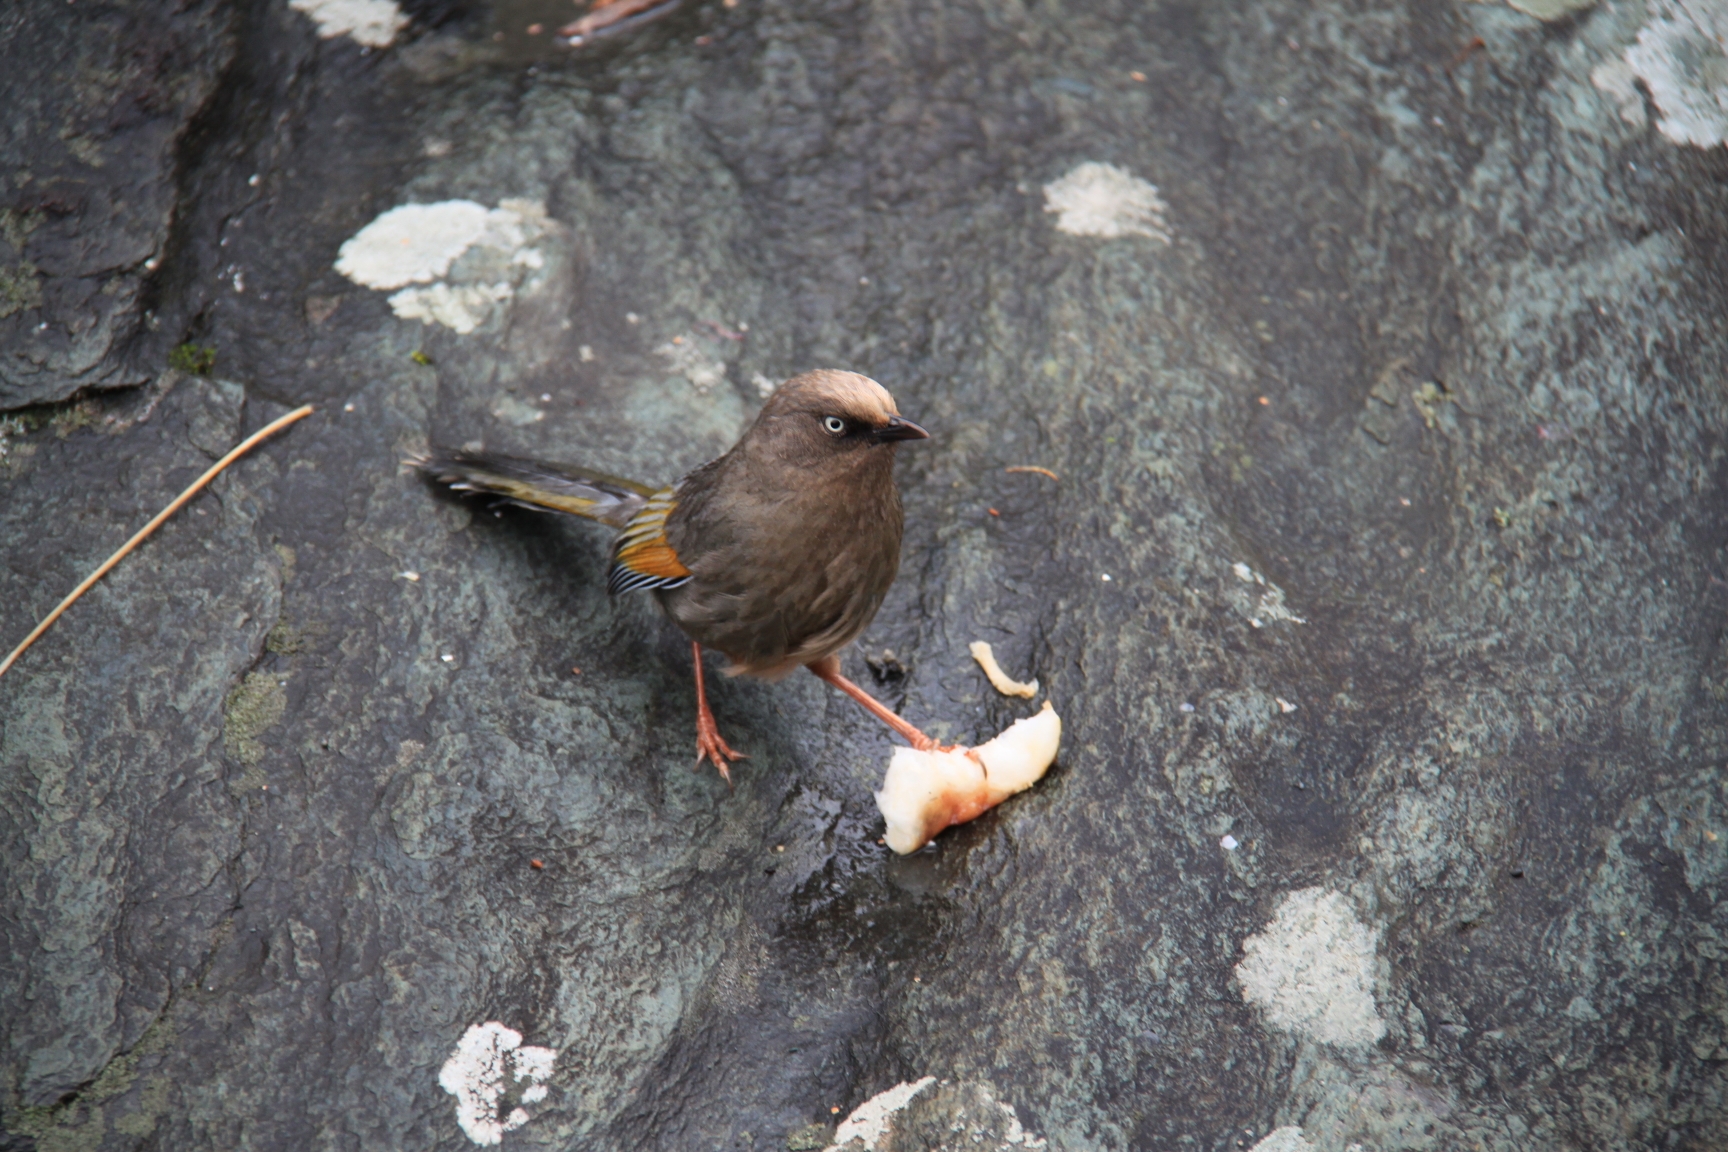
<point>710,746</point>
<point>828,669</point>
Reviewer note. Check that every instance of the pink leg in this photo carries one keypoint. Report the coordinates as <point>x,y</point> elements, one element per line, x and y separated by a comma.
<point>709,745</point>
<point>828,668</point>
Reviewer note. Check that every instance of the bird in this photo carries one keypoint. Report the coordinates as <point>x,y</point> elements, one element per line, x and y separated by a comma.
<point>776,554</point>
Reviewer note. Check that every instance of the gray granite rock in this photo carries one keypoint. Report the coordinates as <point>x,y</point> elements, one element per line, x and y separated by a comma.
<point>1380,591</point>
<point>101,105</point>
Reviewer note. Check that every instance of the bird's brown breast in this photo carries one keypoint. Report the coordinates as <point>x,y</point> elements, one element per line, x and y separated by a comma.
<point>788,562</point>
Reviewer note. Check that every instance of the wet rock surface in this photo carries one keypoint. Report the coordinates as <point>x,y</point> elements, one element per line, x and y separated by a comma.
<point>1393,416</point>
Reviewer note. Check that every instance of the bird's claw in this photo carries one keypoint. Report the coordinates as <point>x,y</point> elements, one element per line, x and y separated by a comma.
<point>710,746</point>
<point>923,743</point>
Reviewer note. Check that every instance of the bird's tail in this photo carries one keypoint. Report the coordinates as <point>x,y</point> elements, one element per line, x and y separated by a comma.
<point>536,484</point>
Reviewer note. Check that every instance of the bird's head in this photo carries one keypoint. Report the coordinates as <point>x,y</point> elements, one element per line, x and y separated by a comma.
<point>827,414</point>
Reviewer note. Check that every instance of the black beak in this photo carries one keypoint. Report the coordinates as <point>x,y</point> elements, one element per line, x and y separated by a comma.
<point>899,428</point>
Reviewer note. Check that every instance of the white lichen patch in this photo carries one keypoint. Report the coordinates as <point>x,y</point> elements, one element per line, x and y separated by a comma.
<point>890,1120</point>
<point>462,309</point>
<point>1286,1139</point>
<point>1616,78</point>
<point>1312,970</point>
<point>1016,1136</point>
<point>1549,9</point>
<point>1681,55</point>
<point>518,412</point>
<point>412,243</point>
<point>471,259</point>
<point>1268,605</point>
<point>371,23</point>
<point>1106,201</point>
<point>870,1121</point>
<point>689,360</point>
<point>491,1067</point>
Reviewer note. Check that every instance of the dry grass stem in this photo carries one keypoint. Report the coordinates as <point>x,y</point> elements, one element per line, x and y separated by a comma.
<point>143,533</point>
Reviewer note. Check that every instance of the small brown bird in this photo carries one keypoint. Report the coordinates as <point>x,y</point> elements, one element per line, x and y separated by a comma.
<point>777,554</point>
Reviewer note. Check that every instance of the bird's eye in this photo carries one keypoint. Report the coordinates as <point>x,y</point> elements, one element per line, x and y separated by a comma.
<point>834,425</point>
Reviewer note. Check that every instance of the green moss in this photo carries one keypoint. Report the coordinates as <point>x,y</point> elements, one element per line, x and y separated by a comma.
<point>20,288</point>
<point>68,418</point>
<point>27,420</point>
<point>284,639</point>
<point>117,1076</point>
<point>16,226</point>
<point>30,1122</point>
<point>78,1124</point>
<point>252,708</point>
<point>198,359</point>
<point>84,147</point>
<point>10,426</point>
<point>286,555</point>
<point>809,1137</point>
<point>69,1136</point>
<point>64,418</point>
<point>152,1103</point>
<point>1428,400</point>
<point>20,283</point>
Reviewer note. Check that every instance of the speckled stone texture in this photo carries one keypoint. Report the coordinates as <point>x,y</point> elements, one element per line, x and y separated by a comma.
<point>1435,352</point>
<point>102,100</point>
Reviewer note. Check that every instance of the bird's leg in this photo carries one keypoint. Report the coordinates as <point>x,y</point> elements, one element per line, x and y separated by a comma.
<point>709,745</point>
<point>828,668</point>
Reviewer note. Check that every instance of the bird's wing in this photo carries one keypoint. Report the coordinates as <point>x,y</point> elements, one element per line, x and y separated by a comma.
<point>536,484</point>
<point>643,557</point>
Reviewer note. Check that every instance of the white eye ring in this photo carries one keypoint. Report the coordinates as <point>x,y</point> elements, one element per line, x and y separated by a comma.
<point>834,425</point>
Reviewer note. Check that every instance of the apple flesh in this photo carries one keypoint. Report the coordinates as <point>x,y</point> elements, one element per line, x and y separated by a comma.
<point>925,792</point>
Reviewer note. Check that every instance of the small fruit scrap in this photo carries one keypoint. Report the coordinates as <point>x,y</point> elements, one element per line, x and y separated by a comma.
<point>925,792</point>
<point>999,679</point>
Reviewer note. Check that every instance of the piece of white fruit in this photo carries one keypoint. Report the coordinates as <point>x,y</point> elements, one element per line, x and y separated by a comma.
<point>999,679</point>
<point>925,792</point>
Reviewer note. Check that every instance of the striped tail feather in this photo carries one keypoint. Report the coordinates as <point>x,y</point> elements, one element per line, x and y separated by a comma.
<point>537,484</point>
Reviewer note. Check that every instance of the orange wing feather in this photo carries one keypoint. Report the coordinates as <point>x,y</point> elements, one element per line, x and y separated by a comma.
<point>652,558</point>
<point>642,557</point>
